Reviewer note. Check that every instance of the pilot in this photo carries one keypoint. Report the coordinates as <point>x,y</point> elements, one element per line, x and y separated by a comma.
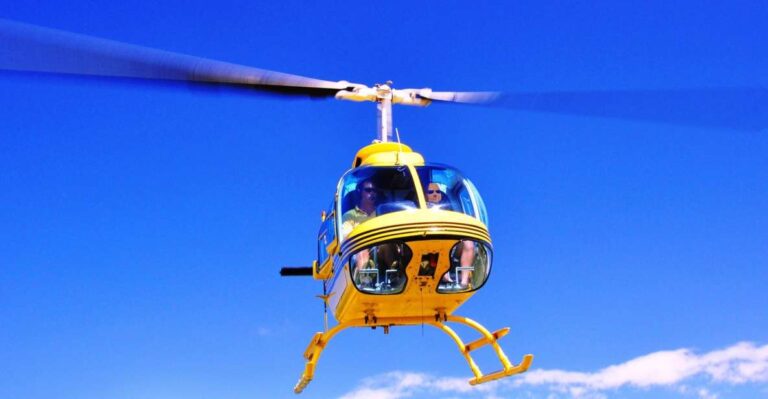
<point>437,199</point>
<point>364,209</point>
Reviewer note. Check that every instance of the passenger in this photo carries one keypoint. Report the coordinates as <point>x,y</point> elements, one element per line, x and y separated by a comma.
<point>365,208</point>
<point>436,198</point>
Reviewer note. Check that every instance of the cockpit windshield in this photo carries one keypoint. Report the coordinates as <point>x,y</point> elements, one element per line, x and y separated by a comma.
<point>371,191</point>
<point>446,189</point>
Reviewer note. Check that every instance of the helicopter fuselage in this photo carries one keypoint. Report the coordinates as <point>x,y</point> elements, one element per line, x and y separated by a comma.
<point>430,237</point>
<point>413,256</point>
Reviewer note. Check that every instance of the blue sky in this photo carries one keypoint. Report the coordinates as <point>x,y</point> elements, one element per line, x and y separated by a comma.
<point>141,230</point>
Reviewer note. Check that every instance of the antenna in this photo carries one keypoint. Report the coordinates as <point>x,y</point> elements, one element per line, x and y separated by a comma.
<point>399,148</point>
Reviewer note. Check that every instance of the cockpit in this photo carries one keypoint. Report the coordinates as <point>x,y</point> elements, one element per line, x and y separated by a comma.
<point>371,191</point>
<point>368,192</point>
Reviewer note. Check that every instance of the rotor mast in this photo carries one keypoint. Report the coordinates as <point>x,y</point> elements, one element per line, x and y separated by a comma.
<point>384,96</point>
<point>384,110</point>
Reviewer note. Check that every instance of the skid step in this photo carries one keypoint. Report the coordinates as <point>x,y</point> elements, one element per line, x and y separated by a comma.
<point>520,368</point>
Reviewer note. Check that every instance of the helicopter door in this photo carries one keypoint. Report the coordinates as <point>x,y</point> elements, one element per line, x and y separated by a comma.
<point>327,243</point>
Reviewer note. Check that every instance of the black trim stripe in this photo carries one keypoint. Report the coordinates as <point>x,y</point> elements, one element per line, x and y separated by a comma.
<point>427,230</point>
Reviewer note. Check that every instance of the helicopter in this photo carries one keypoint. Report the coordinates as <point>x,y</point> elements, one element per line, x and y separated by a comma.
<point>404,242</point>
<point>413,260</point>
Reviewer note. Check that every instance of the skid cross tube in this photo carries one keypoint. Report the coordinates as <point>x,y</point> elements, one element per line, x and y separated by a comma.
<point>320,341</point>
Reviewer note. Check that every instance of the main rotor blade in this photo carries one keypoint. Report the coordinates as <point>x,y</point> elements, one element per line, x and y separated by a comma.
<point>28,48</point>
<point>742,108</point>
<point>464,97</point>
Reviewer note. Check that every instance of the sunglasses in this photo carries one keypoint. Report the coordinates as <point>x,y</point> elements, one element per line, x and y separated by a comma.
<point>433,192</point>
<point>369,189</point>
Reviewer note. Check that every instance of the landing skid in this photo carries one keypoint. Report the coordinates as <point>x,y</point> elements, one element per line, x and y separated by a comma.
<point>320,341</point>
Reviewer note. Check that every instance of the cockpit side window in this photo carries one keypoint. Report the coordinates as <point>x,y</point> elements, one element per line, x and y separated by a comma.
<point>368,192</point>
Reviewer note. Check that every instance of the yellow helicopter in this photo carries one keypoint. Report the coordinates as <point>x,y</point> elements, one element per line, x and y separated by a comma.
<point>404,241</point>
<point>393,254</point>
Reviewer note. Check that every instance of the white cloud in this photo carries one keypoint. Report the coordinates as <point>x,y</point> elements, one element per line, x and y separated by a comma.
<point>368,393</point>
<point>737,364</point>
<point>705,394</point>
<point>741,363</point>
<point>398,384</point>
